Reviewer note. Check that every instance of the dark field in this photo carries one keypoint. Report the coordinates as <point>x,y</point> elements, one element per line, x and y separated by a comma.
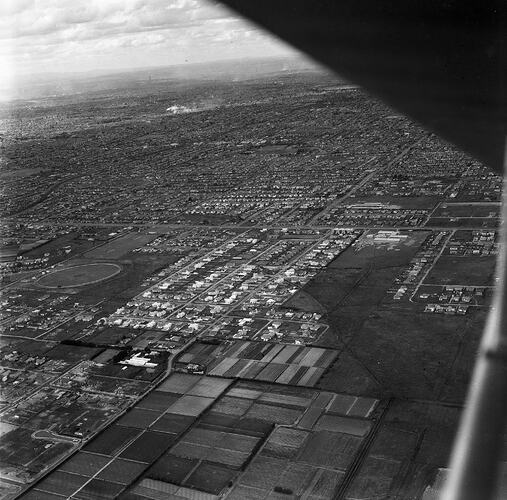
<point>62,483</point>
<point>113,439</point>
<point>486,223</point>
<point>359,277</point>
<point>399,353</point>
<point>470,270</point>
<point>210,478</point>
<point>139,418</point>
<point>148,447</point>
<point>394,351</point>
<point>473,210</point>
<point>97,488</point>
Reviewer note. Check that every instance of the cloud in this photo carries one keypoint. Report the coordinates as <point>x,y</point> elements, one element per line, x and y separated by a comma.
<point>80,34</point>
<point>103,17</point>
<point>10,7</point>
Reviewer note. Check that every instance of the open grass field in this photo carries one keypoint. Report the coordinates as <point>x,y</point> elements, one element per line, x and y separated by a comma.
<point>120,246</point>
<point>359,277</point>
<point>404,353</point>
<point>372,250</point>
<point>126,284</point>
<point>409,202</point>
<point>467,271</point>
<point>474,210</point>
<point>464,222</point>
<point>395,350</point>
<point>81,275</point>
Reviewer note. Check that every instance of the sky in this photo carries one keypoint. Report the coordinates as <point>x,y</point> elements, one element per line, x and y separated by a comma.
<point>60,36</point>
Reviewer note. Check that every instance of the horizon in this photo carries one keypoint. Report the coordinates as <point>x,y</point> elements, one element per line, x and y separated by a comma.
<point>54,84</point>
<point>96,73</point>
<point>116,36</point>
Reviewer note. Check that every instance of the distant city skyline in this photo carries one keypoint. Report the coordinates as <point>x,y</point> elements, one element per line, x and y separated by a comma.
<point>58,36</point>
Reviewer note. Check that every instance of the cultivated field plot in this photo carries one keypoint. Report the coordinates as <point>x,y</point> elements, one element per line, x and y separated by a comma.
<point>306,458</point>
<point>198,433</point>
<point>82,275</point>
<point>216,449</point>
<point>151,488</point>
<point>120,246</point>
<point>123,451</point>
<point>285,364</point>
<point>291,427</point>
<point>161,448</point>
<point>412,437</point>
<point>209,456</point>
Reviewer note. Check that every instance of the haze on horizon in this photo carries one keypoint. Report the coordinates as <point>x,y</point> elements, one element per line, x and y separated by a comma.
<point>38,37</point>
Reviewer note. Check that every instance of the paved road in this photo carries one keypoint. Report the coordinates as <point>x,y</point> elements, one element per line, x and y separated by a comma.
<point>161,228</point>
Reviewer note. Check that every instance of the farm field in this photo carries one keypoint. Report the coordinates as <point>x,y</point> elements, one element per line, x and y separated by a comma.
<point>288,364</point>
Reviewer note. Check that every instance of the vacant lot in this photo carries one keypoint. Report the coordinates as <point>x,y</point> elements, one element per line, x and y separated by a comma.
<point>473,222</point>
<point>490,209</point>
<point>450,270</point>
<point>404,353</point>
